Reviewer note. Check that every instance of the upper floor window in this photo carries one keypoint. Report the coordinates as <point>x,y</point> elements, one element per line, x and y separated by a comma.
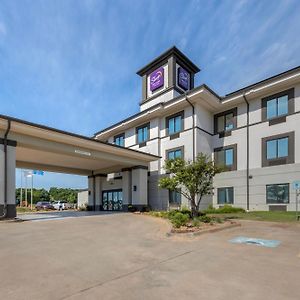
<point>225,195</point>
<point>143,133</point>
<point>175,123</point>
<point>225,157</point>
<point>175,153</point>
<point>278,193</point>
<point>278,105</point>
<point>225,121</point>
<point>278,149</point>
<point>120,140</point>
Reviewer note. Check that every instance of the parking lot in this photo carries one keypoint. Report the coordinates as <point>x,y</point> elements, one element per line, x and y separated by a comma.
<point>127,256</point>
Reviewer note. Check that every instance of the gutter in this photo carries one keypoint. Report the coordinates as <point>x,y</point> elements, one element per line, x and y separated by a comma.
<point>247,147</point>
<point>193,108</point>
<point>5,169</point>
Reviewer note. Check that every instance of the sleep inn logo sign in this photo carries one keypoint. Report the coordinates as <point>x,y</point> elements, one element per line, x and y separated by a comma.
<point>157,79</point>
<point>183,78</point>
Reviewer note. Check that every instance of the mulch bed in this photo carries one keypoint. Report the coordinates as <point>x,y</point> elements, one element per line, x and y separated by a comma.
<point>204,228</point>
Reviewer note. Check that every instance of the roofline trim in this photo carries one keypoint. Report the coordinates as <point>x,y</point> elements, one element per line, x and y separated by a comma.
<point>248,92</point>
<point>161,104</point>
<point>12,119</point>
<point>262,81</point>
<point>164,55</point>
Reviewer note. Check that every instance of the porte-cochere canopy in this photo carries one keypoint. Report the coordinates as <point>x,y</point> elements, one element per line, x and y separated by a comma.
<point>27,145</point>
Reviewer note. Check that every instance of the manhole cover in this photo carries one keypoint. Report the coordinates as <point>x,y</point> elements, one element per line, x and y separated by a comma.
<point>255,241</point>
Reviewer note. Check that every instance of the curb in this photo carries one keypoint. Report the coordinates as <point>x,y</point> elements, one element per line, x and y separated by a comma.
<point>210,230</point>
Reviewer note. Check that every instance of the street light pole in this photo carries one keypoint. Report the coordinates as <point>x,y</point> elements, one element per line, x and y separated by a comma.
<point>31,191</point>
<point>21,192</point>
<point>26,191</point>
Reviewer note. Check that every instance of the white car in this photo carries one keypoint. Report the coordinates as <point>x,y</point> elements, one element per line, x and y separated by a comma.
<point>61,205</point>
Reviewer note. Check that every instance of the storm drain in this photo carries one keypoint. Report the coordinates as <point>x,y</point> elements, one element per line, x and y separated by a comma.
<point>255,241</point>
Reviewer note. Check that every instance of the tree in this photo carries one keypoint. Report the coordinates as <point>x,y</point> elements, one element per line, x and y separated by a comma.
<point>191,179</point>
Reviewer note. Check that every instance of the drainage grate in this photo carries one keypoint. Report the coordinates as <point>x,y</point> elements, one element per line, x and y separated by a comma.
<point>255,241</point>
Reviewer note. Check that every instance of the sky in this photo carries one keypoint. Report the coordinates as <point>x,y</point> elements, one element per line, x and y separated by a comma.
<point>72,64</point>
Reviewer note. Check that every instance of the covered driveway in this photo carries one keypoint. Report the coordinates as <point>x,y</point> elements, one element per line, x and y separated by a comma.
<point>28,145</point>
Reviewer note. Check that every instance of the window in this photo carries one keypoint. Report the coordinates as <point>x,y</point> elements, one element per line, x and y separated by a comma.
<point>174,198</point>
<point>175,153</point>
<point>278,193</point>
<point>225,195</point>
<point>120,140</point>
<point>226,157</point>
<point>278,149</point>
<point>175,123</point>
<point>225,121</point>
<point>278,105</point>
<point>143,133</point>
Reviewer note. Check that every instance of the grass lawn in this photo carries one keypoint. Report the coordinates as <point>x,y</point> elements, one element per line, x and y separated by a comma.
<point>273,216</point>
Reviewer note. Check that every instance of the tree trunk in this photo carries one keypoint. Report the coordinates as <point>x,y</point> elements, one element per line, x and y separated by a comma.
<point>194,211</point>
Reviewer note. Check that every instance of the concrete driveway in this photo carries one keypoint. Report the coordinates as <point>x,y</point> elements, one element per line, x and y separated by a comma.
<point>126,256</point>
<point>60,215</point>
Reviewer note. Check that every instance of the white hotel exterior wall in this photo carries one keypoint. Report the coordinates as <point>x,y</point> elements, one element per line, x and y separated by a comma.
<point>159,143</point>
<point>207,104</point>
<point>260,176</point>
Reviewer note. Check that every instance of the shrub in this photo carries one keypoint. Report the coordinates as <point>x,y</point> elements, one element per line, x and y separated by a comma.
<point>131,208</point>
<point>196,223</point>
<point>218,220</point>
<point>205,219</point>
<point>179,219</point>
<point>145,209</point>
<point>186,211</point>
<point>171,212</point>
<point>226,209</point>
<point>82,207</point>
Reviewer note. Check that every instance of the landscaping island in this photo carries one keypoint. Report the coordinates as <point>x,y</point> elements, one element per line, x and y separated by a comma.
<point>215,219</point>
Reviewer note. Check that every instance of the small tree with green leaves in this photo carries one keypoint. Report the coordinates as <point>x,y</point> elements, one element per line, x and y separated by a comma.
<point>193,179</point>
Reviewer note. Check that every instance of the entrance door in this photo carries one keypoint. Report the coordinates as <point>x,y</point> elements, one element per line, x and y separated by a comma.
<point>112,200</point>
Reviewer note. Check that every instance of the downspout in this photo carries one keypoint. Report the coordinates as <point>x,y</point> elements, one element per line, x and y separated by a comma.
<point>5,169</point>
<point>193,109</point>
<point>247,146</point>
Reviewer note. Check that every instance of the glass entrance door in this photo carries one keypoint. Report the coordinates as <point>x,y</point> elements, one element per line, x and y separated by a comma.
<point>112,200</point>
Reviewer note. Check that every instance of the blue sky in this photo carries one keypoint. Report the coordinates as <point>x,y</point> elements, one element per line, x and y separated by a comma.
<point>63,62</point>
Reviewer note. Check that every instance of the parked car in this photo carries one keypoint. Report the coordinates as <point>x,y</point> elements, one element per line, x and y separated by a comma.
<point>61,205</point>
<point>42,205</point>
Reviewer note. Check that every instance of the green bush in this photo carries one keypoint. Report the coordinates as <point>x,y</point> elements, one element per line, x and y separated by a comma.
<point>173,212</point>
<point>226,209</point>
<point>196,223</point>
<point>205,219</point>
<point>186,211</point>
<point>219,220</point>
<point>179,219</point>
